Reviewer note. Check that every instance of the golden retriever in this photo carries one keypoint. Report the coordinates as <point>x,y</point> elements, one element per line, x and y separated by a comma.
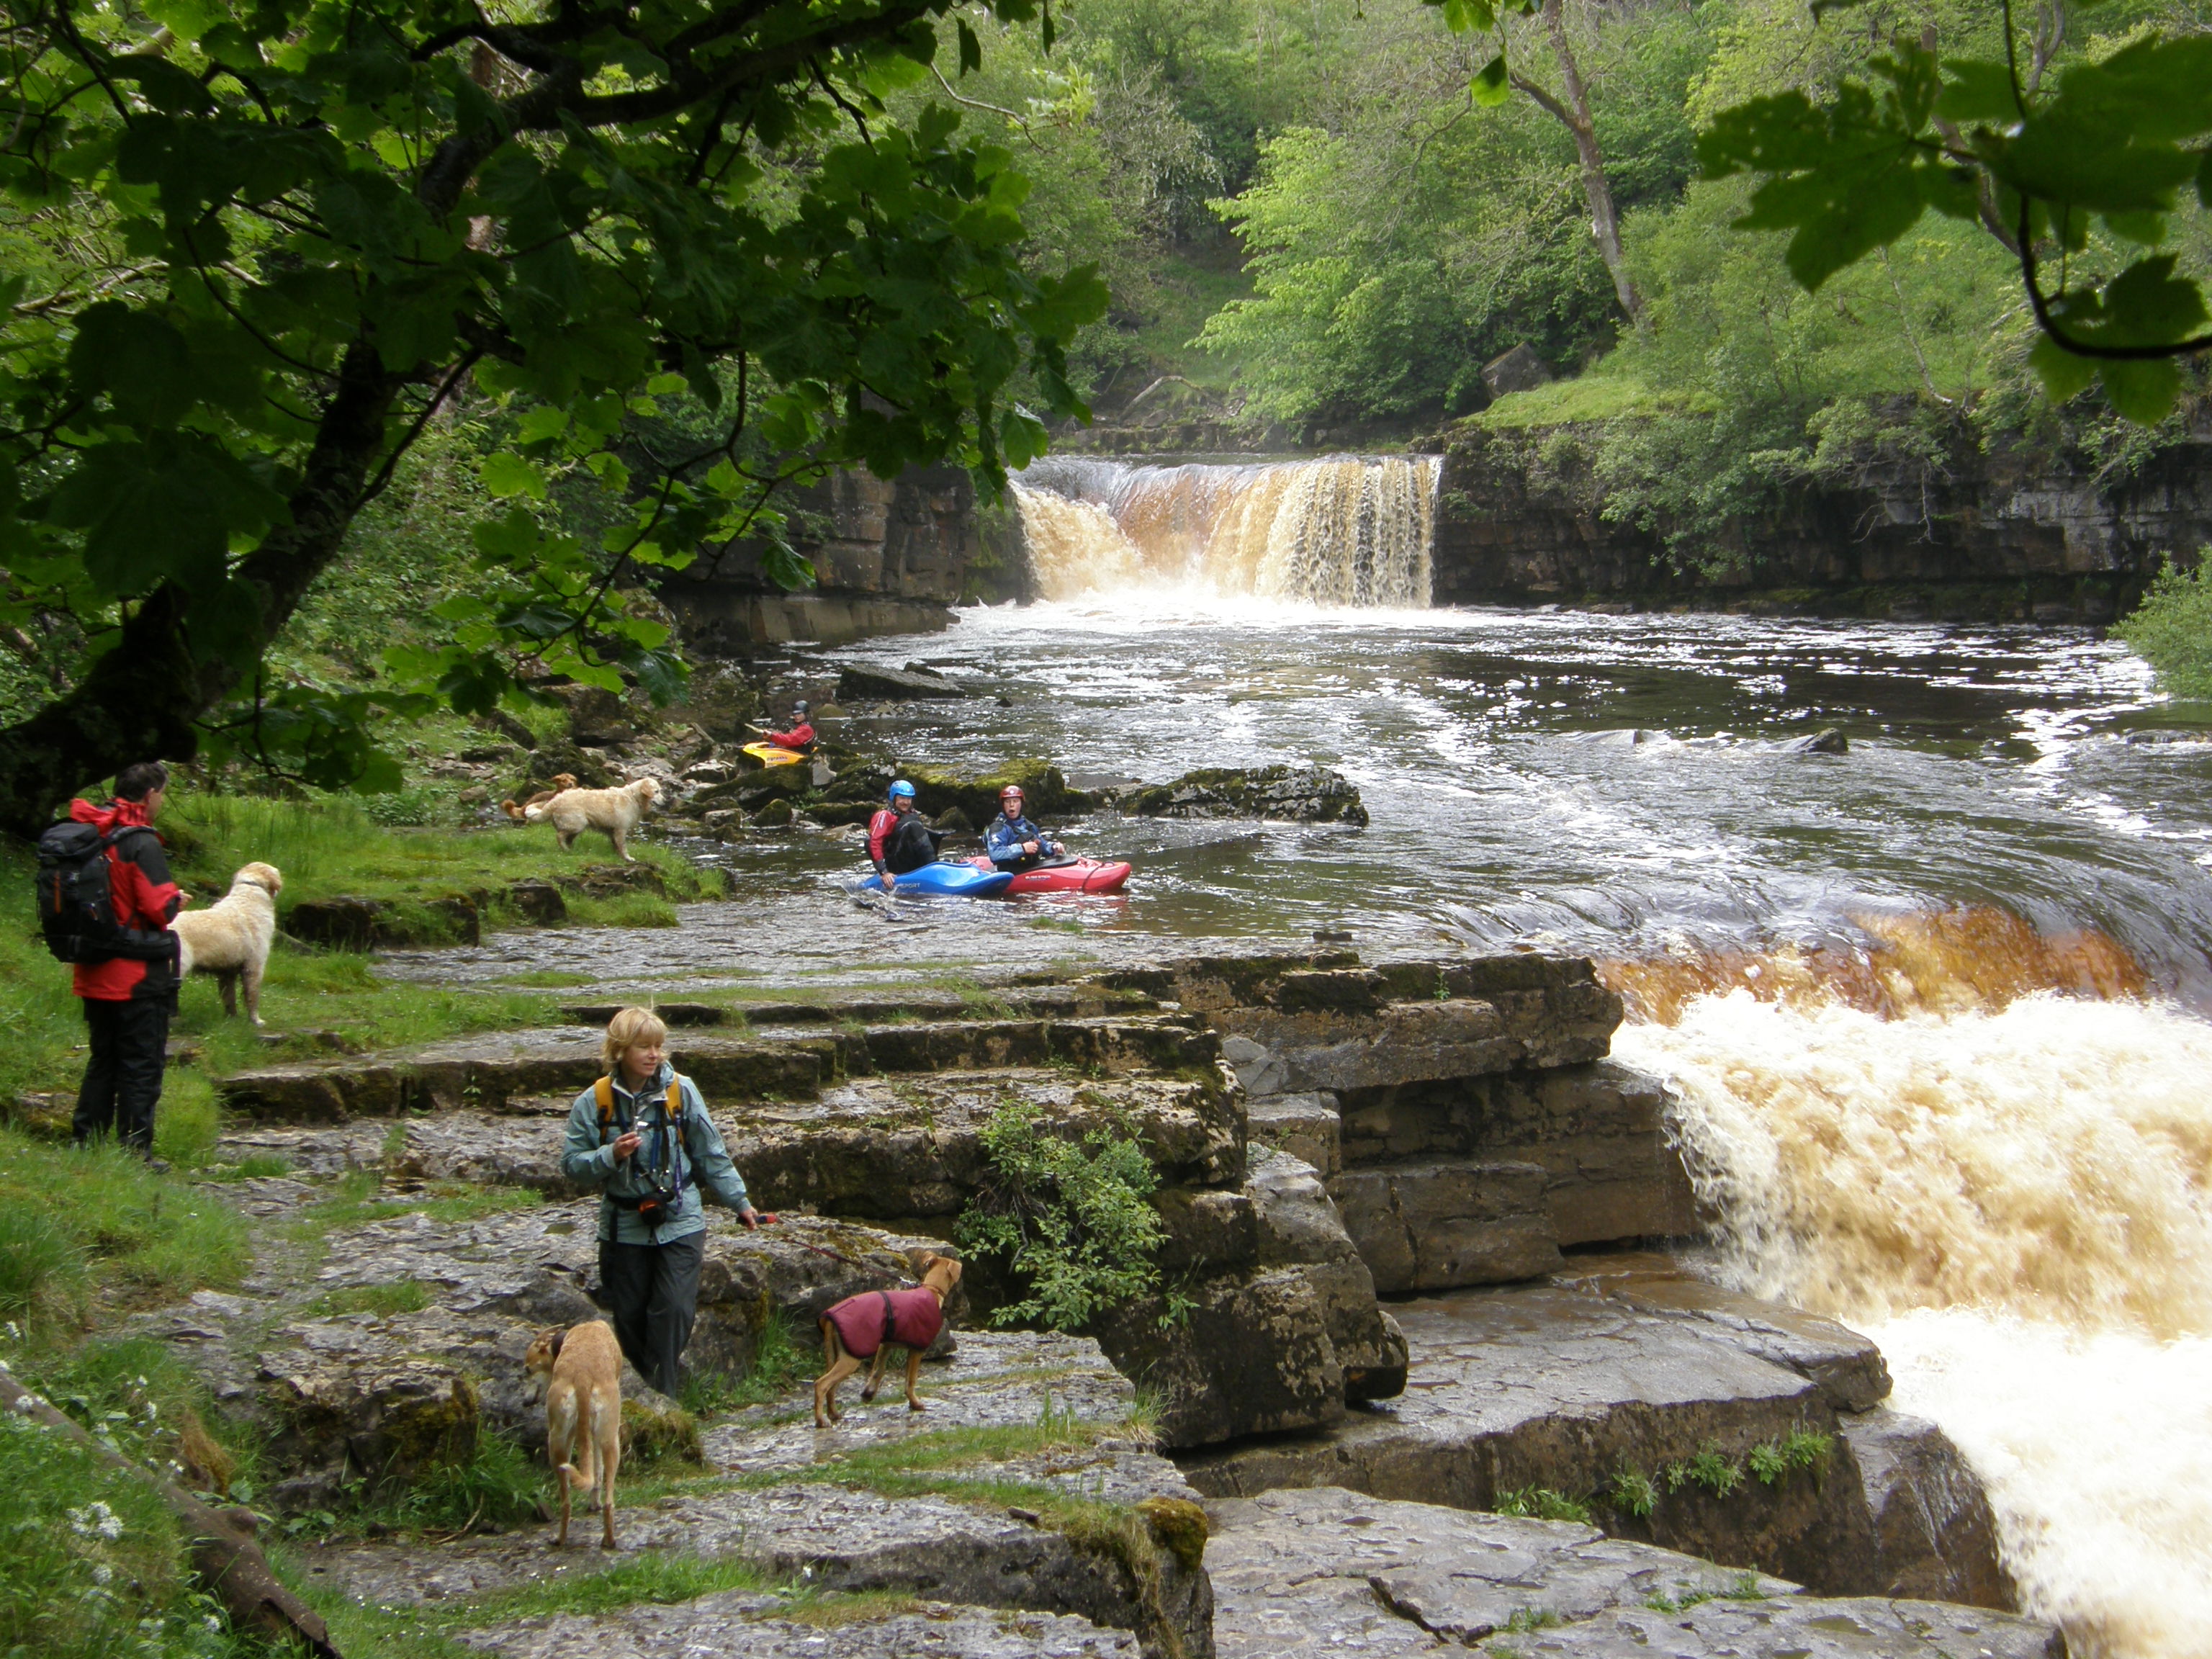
<point>231,938</point>
<point>517,810</point>
<point>578,1371</point>
<point>617,812</point>
<point>875,1321</point>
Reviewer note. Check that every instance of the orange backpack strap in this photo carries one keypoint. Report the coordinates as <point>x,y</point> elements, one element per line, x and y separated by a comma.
<point>602,1091</point>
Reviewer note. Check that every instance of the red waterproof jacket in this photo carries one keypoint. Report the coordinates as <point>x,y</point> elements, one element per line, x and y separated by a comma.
<point>801,736</point>
<point>145,899</point>
<point>906,1319</point>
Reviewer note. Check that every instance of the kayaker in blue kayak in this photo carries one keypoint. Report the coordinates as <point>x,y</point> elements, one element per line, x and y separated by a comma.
<point>898,840</point>
<point>1013,842</point>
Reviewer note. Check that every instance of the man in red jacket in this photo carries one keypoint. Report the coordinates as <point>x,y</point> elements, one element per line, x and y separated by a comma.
<point>127,999</point>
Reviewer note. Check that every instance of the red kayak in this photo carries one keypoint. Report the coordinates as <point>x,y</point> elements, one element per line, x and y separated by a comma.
<point>1065,876</point>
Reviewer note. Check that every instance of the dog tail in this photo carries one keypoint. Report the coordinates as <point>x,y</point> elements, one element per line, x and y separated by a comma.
<point>512,809</point>
<point>578,1480</point>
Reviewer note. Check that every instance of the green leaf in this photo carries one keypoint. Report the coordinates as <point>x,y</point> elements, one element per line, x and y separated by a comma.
<point>2144,392</point>
<point>2064,373</point>
<point>2204,180</point>
<point>1977,91</point>
<point>139,360</point>
<point>971,48</point>
<point>1490,85</point>
<point>506,474</point>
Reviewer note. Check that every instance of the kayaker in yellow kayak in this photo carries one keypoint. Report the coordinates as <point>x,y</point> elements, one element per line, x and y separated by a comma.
<point>801,735</point>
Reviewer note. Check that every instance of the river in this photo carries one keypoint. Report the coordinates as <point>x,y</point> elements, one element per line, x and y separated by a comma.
<point>1937,1010</point>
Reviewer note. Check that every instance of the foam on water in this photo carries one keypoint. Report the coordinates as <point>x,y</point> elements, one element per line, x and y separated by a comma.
<point>2017,1205</point>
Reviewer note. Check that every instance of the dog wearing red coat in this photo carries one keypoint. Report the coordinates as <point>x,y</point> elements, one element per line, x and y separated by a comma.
<point>869,1325</point>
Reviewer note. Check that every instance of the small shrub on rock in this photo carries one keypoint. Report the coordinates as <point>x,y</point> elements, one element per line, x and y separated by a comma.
<point>1072,1221</point>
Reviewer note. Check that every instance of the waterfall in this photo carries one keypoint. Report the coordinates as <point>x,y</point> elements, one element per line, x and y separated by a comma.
<point>2016,1203</point>
<point>1344,530</point>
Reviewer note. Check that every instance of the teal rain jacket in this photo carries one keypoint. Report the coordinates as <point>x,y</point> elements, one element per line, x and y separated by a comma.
<point>588,1158</point>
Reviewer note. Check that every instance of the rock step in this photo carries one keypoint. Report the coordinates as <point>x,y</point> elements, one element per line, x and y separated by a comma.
<point>1328,1571</point>
<point>1555,1387</point>
<point>740,1623</point>
<point>1082,999</point>
<point>490,1071</point>
<point>1437,1226</point>
<point>1598,1130</point>
<point>840,1540</point>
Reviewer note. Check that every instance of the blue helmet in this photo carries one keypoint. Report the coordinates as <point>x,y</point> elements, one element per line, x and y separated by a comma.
<point>902,790</point>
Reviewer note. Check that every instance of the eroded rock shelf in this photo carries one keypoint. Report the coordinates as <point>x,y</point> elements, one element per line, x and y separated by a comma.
<point>1416,1224</point>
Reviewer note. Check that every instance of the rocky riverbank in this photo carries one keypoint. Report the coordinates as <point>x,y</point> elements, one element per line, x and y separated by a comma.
<point>1273,1459</point>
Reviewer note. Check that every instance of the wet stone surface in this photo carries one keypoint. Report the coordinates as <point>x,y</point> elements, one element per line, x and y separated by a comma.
<point>1333,1571</point>
<point>998,1379</point>
<point>743,1624</point>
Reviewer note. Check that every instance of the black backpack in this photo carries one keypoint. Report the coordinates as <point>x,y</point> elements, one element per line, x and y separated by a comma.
<point>76,900</point>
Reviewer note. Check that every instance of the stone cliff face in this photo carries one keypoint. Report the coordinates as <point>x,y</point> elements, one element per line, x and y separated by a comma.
<point>889,558</point>
<point>2020,532</point>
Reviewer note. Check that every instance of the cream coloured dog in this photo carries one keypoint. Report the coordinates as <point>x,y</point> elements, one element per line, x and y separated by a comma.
<point>578,1371</point>
<point>617,812</point>
<point>231,938</point>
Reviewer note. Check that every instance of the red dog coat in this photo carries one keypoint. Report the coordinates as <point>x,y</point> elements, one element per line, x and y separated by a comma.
<point>906,1319</point>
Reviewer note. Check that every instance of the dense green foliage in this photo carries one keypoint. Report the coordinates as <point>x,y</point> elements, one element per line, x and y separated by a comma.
<point>255,249</point>
<point>2174,629</point>
<point>1070,1220</point>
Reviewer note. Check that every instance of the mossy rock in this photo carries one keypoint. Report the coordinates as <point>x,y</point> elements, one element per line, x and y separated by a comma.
<point>1180,1525</point>
<point>654,1434</point>
<point>1044,790</point>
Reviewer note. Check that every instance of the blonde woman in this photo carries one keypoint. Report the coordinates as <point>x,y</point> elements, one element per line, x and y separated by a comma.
<point>641,1135</point>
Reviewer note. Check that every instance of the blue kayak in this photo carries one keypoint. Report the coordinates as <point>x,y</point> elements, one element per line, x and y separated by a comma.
<point>959,878</point>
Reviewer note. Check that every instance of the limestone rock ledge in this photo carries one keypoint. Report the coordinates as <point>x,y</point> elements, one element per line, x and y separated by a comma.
<point>738,1623</point>
<point>1327,1571</point>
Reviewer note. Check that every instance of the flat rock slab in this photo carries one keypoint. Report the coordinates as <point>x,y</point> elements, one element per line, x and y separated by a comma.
<point>1848,1367</point>
<point>836,1538</point>
<point>1547,1386</point>
<point>742,1624</point>
<point>999,1379</point>
<point>1326,1569</point>
<point>1331,1571</point>
<point>1526,1387</point>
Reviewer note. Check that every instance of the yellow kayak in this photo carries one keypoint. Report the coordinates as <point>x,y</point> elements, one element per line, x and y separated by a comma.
<point>769,754</point>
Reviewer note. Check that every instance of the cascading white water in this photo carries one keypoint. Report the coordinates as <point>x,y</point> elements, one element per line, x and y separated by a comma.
<point>2017,1205</point>
<point>1341,531</point>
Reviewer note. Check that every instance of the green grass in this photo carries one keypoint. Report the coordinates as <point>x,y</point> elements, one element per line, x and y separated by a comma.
<point>1591,398</point>
<point>1708,1468</point>
<point>1743,1588</point>
<point>421,1632</point>
<point>1540,1503</point>
<point>1633,1493</point>
<point>779,1365</point>
<point>356,1200</point>
<point>332,846</point>
<point>114,1232</point>
<point>94,1563</point>
<point>401,1296</point>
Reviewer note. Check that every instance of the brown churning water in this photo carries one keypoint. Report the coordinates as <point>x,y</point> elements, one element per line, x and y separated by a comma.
<point>1342,531</point>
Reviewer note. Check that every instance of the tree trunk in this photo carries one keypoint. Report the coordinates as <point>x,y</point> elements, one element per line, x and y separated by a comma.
<point>225,1557</point>
<point>1573,113</point>
<point>140,700</point>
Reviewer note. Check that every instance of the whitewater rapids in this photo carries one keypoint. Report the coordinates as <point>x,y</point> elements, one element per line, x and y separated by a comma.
<point>2017,1206</point>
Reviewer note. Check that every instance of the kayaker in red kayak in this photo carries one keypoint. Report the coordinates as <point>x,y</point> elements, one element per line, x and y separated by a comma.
<point>1013,841</point>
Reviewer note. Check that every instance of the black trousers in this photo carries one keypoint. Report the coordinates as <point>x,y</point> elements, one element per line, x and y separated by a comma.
<point>653,1296</point>
<point>123,1078</point>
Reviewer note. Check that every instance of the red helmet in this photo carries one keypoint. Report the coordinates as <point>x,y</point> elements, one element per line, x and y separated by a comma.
<point>1011,791</point>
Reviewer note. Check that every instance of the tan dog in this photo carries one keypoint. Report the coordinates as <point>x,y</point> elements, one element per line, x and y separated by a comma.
<point>872,1324</point>
<point>580,1373</point>
<point>617,812</point>
<point>519,811</point>
<point>231,938</point>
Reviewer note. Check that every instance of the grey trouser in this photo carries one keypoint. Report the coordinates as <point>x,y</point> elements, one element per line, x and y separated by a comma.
<point>653,1296</point>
